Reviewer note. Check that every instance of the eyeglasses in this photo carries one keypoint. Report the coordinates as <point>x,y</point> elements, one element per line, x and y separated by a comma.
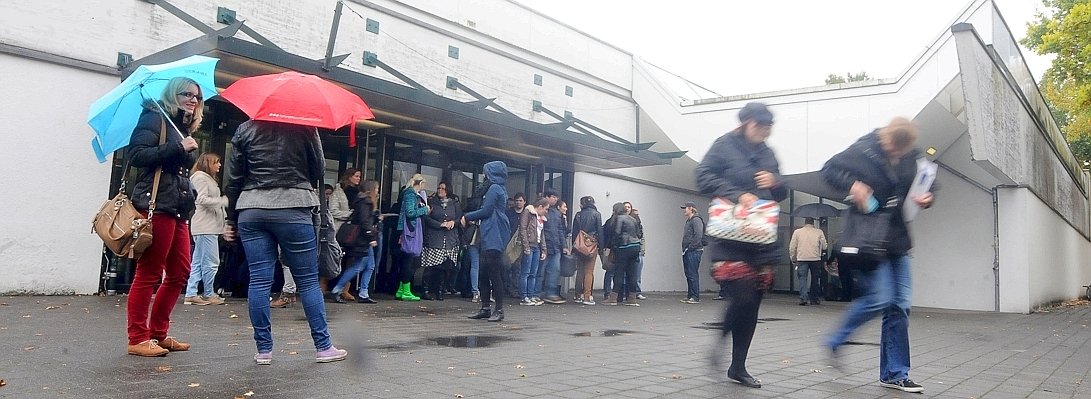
<point>189,94</point>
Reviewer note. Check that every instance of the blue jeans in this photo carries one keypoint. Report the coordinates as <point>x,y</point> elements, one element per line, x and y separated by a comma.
<point>358,264</point>
<point>300,252</point>
<point>367,270</point>
<point>551,280</point>
<point>608,280</point>
<point>473,252</point>
<point>887,289</point>
<point>691,261</point>
<point>528,275</point>
<point>808,289</point>
<point>206,259</point>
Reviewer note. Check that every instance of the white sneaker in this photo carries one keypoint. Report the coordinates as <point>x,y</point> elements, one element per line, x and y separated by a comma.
<point>537,301</point>
<point>527,302</point>
<point>195,300</point>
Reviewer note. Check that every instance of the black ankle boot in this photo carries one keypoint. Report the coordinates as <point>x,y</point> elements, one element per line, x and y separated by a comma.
<point>482,313</point>
<point>497,315</point>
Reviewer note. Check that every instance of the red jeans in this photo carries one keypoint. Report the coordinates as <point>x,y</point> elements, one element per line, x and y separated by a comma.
<point>170,253</point>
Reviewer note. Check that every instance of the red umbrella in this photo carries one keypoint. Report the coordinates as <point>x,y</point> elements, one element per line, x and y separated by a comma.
<point>299,99</point>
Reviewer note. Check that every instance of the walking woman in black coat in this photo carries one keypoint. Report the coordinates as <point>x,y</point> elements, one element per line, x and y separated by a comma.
<point>742,169</point>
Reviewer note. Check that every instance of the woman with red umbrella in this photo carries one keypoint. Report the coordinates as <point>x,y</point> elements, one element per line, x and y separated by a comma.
<point>272,187</point>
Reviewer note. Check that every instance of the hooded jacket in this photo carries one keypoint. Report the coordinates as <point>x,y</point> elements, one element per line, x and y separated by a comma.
<point>866,161</point>
<point>175,196</point>
<point>495,229</point>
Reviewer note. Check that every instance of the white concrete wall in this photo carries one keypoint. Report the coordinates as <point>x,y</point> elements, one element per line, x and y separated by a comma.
<point>952,256</point>
<point>53,181</point>
<point>661,215</point>
<point>1042,258</point>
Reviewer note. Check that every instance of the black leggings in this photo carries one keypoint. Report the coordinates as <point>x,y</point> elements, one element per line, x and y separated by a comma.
<point>409,268</point>
<point>435,277</point>
<point>741,319</point>
<point>490,280</point>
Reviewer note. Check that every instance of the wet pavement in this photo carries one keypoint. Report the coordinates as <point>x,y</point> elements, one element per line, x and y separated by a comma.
<point>74,347</point>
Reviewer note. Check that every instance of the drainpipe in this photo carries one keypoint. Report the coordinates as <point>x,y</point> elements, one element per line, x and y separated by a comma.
<point>996,249</point>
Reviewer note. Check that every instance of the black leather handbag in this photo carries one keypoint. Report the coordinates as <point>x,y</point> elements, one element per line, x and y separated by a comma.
<point>864,238</point>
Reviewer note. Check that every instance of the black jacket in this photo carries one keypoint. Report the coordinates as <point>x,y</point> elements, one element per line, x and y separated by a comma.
<point>588,220</point>
<point>270,155</point>
<point>554,231</point>
<point>366,218</point>
<point>621,231</point>
<point>442,211</point>
<point>176,195</point>
<point>693,234</point>
<point>865,161</point>
<point>729,166</point>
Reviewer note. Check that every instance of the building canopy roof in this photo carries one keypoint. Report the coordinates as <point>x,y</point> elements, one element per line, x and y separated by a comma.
<point>420,114</point>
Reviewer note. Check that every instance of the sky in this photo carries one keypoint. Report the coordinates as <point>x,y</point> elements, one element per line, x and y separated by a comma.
<point>737,47</point>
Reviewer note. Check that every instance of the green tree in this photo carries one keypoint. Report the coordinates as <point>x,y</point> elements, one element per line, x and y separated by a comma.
<point>1064,30</point>
<point>833,79</point>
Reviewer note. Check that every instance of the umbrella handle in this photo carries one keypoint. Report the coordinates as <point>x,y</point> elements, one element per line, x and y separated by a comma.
<point>169,120</point>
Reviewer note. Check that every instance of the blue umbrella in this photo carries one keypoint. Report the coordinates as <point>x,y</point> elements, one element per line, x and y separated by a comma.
<point>114,115</point>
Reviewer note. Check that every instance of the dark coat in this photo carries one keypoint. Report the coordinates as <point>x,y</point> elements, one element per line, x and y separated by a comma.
<point>693,234</point>
<point>729,167</point>
<point>727,171</point>
<point>554,231</point>
<point>588,220</point>
<point>621,231</point>
<point>865,161</point>
<point>442,211</point>
<point>495,231</point>
<point>176,194</point>
<point>272,155</point>
<point>367,218</point>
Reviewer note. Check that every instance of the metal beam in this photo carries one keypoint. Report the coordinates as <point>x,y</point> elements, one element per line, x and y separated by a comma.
<point>601,131</point>
<point>333,36</point>
<point>459,86</point>
<point>389,69</point>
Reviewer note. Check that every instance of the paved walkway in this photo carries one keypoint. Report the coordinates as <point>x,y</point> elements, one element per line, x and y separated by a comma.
<point>74,347</point>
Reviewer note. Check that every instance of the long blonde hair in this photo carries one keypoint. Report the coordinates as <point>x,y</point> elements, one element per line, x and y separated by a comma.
<point>169,99</point>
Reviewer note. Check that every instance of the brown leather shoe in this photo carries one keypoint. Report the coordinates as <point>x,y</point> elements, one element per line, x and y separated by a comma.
<point>285,301</point>
<point>149,348</point>
<point>347,296</point>
<point>174,345</point>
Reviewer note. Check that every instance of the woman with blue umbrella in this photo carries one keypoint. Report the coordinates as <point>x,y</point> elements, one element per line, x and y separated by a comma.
<point>158,142</point>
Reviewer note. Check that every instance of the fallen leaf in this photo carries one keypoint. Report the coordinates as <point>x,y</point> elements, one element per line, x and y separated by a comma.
<point>232,344</point>
<point>248,393</point>
<point>240,397</point>
<point>471,373</point>
<point>38,334</point>
<point>30,348</point>
<point>163,369</point>
<point>51,307</point>
<point>420,361</point>
<point>786,361</point>
<point>816,371</point>
<point>458,396</point>
<point>519,366</point>
<point>233,316</point>
<point>451,368</point>
<point>194,385</point>
<point>293,353</point>
<point>2,382</point>
<point>522,376</point>
<point>676,377</point>
<point>26,316</point>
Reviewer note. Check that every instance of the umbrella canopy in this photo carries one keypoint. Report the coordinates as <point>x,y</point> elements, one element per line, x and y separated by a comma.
<point>114,115</point>
<point>299,99</point>
<point>816,210</point>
